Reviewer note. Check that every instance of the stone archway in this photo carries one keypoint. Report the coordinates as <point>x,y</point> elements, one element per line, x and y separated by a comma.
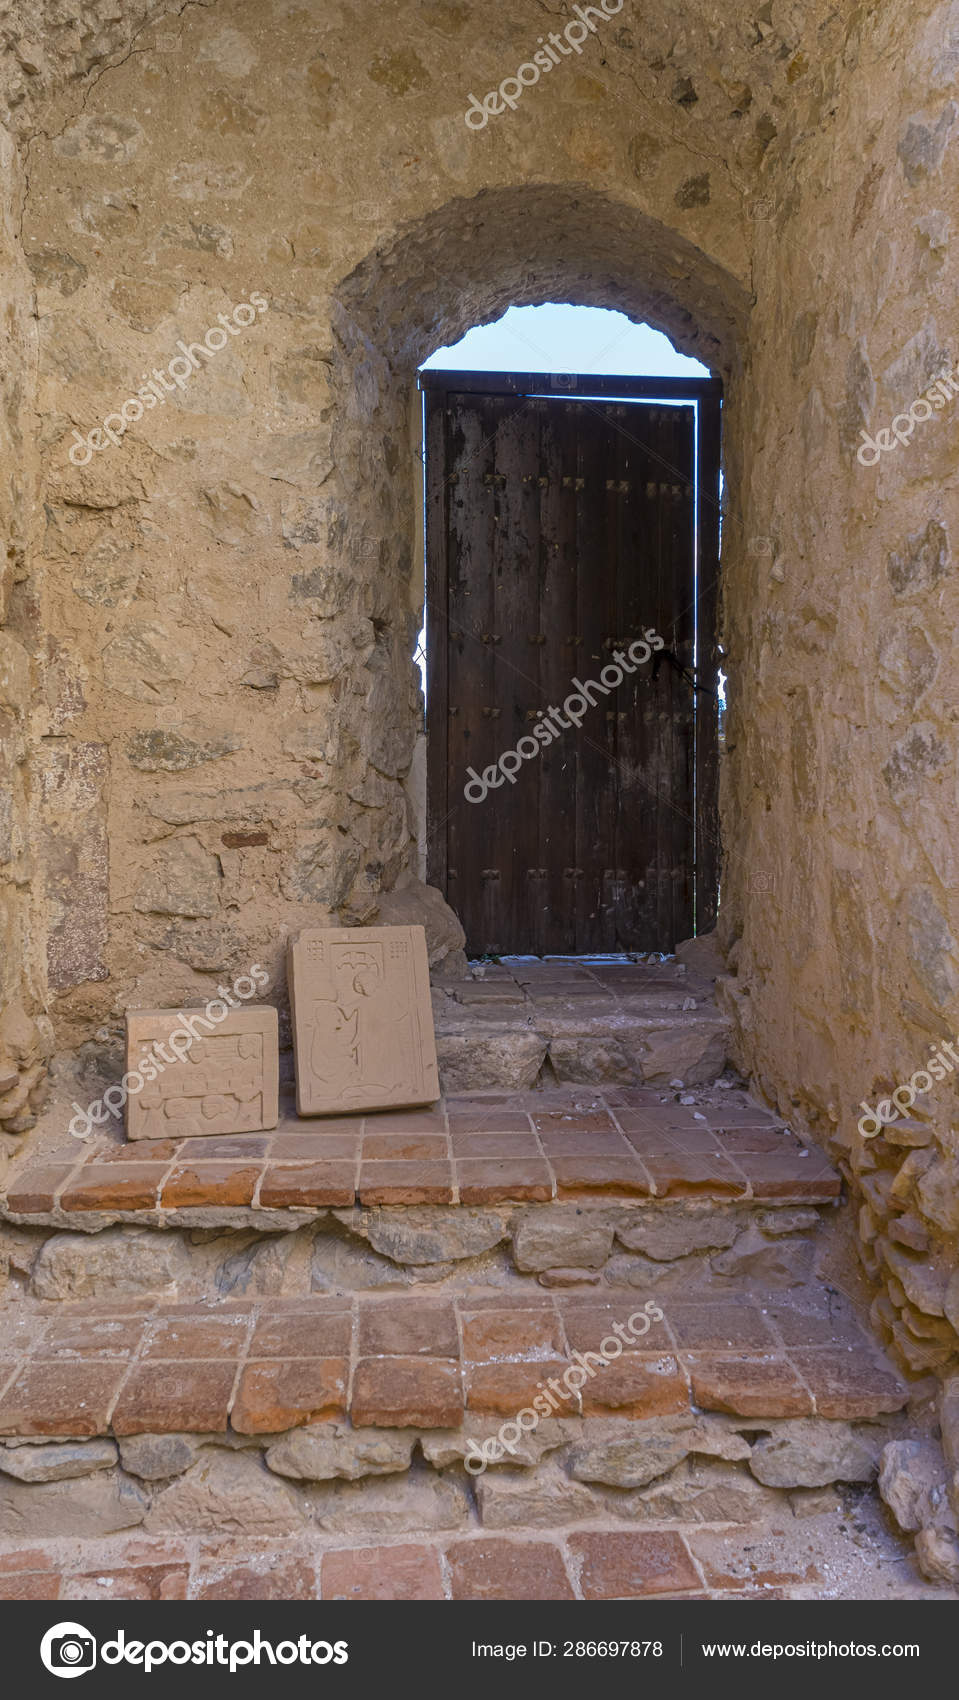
<point>466,263</point>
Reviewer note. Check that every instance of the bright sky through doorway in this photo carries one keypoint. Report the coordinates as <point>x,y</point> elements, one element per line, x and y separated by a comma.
<point>563,338</point>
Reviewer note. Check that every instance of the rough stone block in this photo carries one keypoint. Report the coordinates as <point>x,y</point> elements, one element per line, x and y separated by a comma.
<point>418,1500</point>
<point>430,1235</point>
<point>112,1264</point>
<point>913,1483</point>
<point>536,1499</point>
<point>547,1239</point>
<point>227,1493</point>
<point>98,1504</point>
<point>629,1460</point>
<point>158,1457</point>
<point>57,1463</point>
<point>812,1453</point>
<point>332,1450</point>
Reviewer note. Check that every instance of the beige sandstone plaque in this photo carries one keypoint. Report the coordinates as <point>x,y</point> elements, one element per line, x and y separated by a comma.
<point>207,1076</point>
<point>362,1019</point>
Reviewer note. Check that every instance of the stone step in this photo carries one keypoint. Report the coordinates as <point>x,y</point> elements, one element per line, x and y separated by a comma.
<point>270,1367</point>
<point>518,1021</point>
<point>578,1146</point>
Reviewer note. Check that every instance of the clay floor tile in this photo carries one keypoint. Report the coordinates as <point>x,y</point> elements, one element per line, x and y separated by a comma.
<point>848,1384</point>
<point>609,1174</point>
<point>721,1327</point>
<point>745,1386</point>
<point>676,1175</point>
<point>588,1324</point>
<point>31,1585</point>
<point>800,1174</point>
<point>317,1146</point>
<point>34,1190</point>
<point>274,1578</point>
<point>499,1334</point>
<point>636,1386</point>
<point>68,1399</point>
<point>88,1338</point>
<point>282,1393</point>
<point>518,1146</point>
<point>426,1182</point>
<point>504,1388</point>
<point>209,1185</point>
<point>407,1328</point>
<point>407,1393</point>
<point>618,1565</point>
<point>226,1148</point>
<point>308,1186</point>
<point>508,1570</point>
<point>140,1582</point>
<point>139,1151</point>
<point>113,1186</point>
<point>767,1139</point>
<point>181,1398</point>
<point>573,1121</point>
<point>185,1337</point>
<point>404,1146</point>
<point>308,1333</point>
<point>382,1573</point>
<point>406,1121</point>
<point>497,1180</point>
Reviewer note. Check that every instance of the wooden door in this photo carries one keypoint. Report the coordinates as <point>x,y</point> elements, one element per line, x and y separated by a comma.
<point>562,533</point>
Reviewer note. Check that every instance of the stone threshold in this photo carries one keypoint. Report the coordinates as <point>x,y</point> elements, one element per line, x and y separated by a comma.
<point>475,1150</point>
<point>511,1023</point>
<point>262,1367</point>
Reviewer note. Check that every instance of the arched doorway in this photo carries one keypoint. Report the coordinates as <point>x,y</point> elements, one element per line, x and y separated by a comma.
<point>464,264</point>
<point>572,531</point>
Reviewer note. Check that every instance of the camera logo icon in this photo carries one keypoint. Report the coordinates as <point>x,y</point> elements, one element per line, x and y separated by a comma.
<point>68,1650</point>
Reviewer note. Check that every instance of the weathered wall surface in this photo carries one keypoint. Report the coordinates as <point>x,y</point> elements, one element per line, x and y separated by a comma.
<point>17,364</point>
<point>22,987</point>
<point>840,901</point>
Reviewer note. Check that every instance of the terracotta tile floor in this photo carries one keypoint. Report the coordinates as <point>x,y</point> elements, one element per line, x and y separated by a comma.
<point>815,1558</point>
<point>262,1366</point>
<point>480,1149</point>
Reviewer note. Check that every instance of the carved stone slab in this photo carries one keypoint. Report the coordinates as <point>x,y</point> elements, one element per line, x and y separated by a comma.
<point>224,1081</point>
<point>362,1019</point>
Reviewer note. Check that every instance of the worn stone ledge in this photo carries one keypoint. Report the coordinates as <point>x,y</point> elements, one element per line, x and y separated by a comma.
<point>470,1150</point>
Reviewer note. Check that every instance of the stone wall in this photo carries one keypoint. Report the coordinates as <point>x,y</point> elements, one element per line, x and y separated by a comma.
<point>840,908</point>
<point>232,590</point>
<point>17,361</point>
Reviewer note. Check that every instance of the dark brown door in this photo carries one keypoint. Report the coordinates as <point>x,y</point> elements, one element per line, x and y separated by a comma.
<point>562,534</point>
